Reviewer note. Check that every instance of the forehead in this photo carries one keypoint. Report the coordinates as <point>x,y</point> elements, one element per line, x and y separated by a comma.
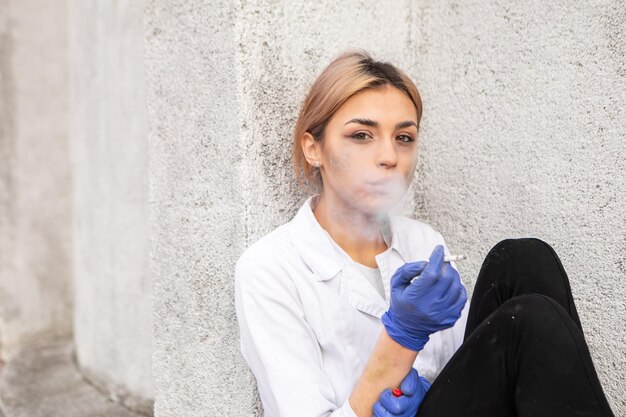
<point>380,104</point>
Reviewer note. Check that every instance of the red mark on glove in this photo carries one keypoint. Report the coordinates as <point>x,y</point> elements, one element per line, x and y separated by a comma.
<point>397,392</point>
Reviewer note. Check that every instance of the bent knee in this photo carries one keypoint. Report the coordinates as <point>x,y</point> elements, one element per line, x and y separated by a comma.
<point>533,308</point>
<point>522,249</point>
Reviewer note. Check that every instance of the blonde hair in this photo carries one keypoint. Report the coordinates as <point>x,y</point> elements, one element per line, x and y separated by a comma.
<point>349,73</point>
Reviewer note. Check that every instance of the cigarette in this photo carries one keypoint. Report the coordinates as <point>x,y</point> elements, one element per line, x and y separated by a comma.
<point>452,258</point>
<point>449,258</point>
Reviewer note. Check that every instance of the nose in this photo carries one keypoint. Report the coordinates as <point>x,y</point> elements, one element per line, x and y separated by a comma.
<point>387,156</point>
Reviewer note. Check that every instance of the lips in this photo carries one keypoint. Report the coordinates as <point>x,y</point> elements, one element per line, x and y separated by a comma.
<point>390,187</point>
<point>381,182</point>
<point>379,187</point>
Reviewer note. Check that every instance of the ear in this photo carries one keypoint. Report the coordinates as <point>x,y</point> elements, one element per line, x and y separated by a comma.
<point>311,148</point>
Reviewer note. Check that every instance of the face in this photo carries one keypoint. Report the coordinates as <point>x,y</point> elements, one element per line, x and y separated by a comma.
<point>369,151</point>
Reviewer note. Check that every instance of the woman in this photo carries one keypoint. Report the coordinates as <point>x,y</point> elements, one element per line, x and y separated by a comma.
<point>325,327</point>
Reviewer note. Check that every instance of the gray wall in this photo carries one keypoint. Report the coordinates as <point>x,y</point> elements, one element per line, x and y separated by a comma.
<point>109,149</point>
<point>35,210</point>
<point>93,229</point>
<point>195,207</point>
<point>524,135</point>
<point>224,85</point>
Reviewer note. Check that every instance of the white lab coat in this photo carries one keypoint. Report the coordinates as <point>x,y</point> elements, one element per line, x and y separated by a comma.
<point>309,320</point>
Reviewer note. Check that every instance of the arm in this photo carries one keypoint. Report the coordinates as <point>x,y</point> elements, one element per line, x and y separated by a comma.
<point>279,345</point>
<point>419,307</point>
<point>284,355</point>
<point>387,367</point>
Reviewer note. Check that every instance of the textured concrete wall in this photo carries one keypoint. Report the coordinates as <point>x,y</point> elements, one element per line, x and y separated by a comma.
<point>108,132</point>
<point>6,149</point>
<point>224,86</point>
<point>195,156</point>
<point>524,134</point>
<point>35,211</point>
<point>521,136</point>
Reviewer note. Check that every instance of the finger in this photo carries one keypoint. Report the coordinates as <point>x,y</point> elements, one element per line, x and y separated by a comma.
<point>435,263</point>
<point>456,288</point>
<point>395,405</point>
<point>380,411</point>
<point>451,277</point>
<point>410,383</point>
<point>427,283</point>
<point>424,386</point>
<point>456,308</point>
<point>448,278</point>
<point>404,274</point>
<point>432,272</point>
<point>462,300</point>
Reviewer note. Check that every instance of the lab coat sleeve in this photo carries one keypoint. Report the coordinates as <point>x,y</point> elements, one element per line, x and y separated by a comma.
<point>278,344</point>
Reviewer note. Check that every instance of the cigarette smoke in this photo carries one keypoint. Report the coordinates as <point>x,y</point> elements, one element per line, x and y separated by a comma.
<point>396,193</point>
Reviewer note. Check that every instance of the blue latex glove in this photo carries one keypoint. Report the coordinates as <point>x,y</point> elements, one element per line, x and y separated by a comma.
<point>414,389</point>
<point>431,303</point>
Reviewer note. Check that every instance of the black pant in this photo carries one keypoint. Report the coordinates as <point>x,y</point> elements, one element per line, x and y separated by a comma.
<point>524,352</point>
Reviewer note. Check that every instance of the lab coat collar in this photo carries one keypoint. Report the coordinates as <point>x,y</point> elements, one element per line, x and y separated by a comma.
<point>313,244</point>
<point>316,247</point>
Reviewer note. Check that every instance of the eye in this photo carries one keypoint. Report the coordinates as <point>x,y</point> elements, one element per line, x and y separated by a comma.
<point>405,139</point>
<point>360,136</point>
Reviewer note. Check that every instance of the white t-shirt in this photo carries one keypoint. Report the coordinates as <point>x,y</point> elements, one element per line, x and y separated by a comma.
<point>372,275</point>
<point>309,321</point>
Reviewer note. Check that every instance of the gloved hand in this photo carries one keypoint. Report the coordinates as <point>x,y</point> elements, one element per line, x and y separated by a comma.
<point>431,303</point>
<point>414,389</point>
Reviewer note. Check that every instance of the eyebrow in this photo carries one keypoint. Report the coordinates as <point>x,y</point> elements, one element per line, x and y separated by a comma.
<point>373,123</point>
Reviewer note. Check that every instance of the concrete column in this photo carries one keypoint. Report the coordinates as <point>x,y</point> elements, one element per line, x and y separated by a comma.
<point>108,131</point>
<point>224,86</point>
<point>524,135</point>
<point>35,210</point>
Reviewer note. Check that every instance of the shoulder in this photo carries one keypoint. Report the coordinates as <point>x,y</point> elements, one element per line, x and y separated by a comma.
<point>269,249</point>
<point>268,260</point>
<point>275,241</point>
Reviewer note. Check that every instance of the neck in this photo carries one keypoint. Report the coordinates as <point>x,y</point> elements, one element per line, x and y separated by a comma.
<point>357,233</point>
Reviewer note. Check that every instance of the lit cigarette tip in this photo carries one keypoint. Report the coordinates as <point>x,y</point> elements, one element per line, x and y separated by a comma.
<point>451,258</point>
